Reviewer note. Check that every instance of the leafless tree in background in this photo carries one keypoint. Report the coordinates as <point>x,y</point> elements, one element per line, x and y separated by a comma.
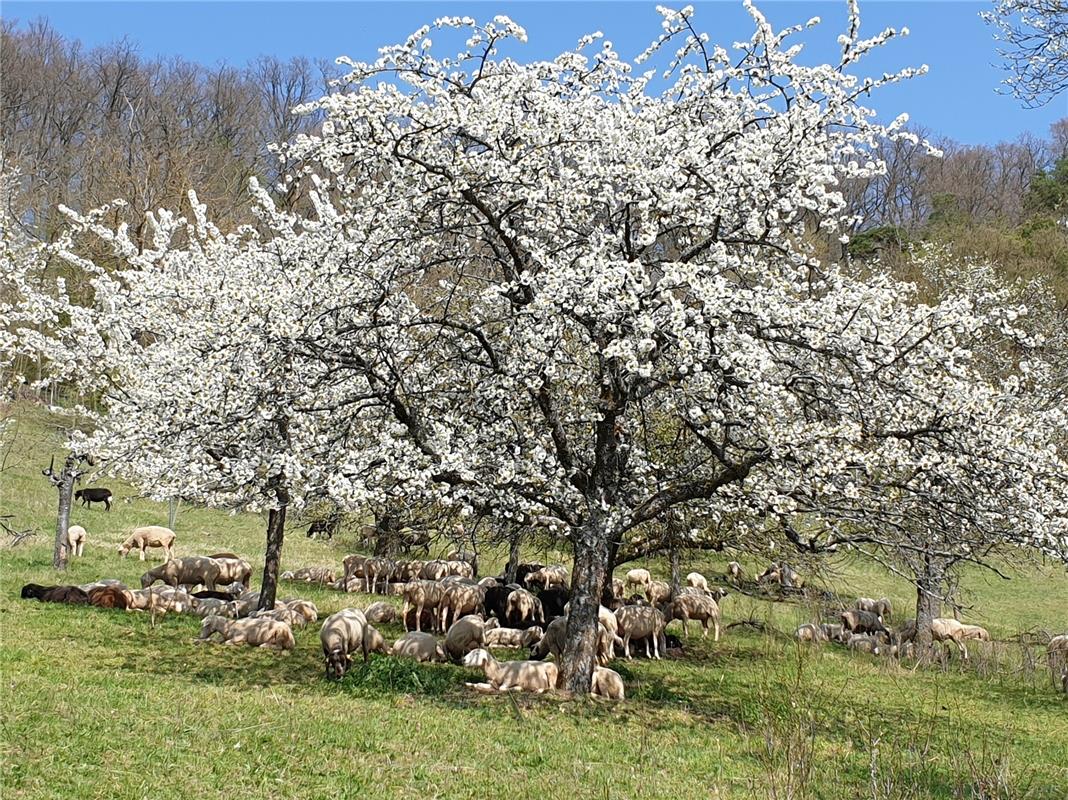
<point>1034,35</point>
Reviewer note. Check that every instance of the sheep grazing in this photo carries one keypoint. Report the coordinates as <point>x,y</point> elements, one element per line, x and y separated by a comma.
<point>512,676</point>
<point>697,607</point>
<point>466,634</point>
<point>697,581</point>
<point>420,595</point>
<point>344,633</point>
<point>639,622</point>
<point>881,607</point>
<point>512,637</point>
<point>419,646</point>
<point>71,595</point>
<point>976,632</point>
<point>810,633</point>
<point>189,571</point>
<point>524,610</point>
<point>94,495</point>
<point>149,536</point>
<point>380,612</point>
<point>658,592</point>
<point>639,578</point>
<point>606,683</point>
<point>857,621</point>
<point>108,597</point>
<point>76,536</point>
<point>267,633</point>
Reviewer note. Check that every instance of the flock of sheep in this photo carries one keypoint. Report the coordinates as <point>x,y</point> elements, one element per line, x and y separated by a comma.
<point>450,615</point>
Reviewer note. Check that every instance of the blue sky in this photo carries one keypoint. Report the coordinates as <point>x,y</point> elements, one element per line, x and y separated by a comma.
<point>956,99</point>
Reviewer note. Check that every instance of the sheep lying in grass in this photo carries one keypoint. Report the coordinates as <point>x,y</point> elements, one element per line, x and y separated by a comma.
<point>71,595</point>
<point>881,607</point>
<point>267,633</point>
<point>149,536</point>
<point>835,633</point>
<point>213,606</point>
<point>188,571</point>
<point>512,676</point>
<point>512,637</point>
<point>310,575</point>
<point>420,646</point>
<point>109,597</point>
<point>466,634</point>
<point>607,683</point>
<point>344,633</point>
<point>379,612</point>
<point>304,608</point>
<point>76,538</point>
<point>864,643</point>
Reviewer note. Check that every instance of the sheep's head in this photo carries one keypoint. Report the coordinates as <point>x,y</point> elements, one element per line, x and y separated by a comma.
<point>491,623</point>
<point>375,642</point>
<point>124,549</point>
<point>337,664</point>
<point>532,635</point>
<point>477,658</point>
<point>147,580</point>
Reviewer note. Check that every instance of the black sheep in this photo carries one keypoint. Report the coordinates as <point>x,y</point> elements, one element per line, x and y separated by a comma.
<point>97,495</point>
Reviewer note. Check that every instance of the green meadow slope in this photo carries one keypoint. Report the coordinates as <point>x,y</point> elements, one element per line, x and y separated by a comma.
<point>109,704</point>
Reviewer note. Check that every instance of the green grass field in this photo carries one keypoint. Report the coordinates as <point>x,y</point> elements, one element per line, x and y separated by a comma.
<point>110,704</point>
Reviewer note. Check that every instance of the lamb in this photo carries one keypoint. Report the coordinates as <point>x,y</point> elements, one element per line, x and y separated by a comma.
<point>697,581</point>
<point>233,569</point>
<point>188,571</point>
<point>512,637</point>
<point>420,646</point>
<point>857,621</point>
<point>639,578</point>
<point>548,577</point>
<point>606,683</point>
<point>810,633</point>
<point>108,597</point>
<point>266,633</point>
<point>735,573</point>
<point>420,595</point>
<point>380,612</point>
<point>864,643</point>
<point>466,634</point>
<point>508,676</point>
<point>94,495</point>
<point>835,633</point>
<point>699,607</point>
<point>149,536</point>
<point>76,537</point>
<point>639,622</point>
<point>341,635</point>
<point>524,609</point>
<point>881,607</point>
<point>458,601</point>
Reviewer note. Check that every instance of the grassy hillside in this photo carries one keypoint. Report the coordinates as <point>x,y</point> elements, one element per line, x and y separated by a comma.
<point>111,704</point>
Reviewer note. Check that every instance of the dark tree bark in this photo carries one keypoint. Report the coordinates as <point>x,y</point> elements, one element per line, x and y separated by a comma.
<point>276,523</point>
<point>385,534</point>
<point>587,581</point>
<point>66,493</point>
<point>513,557</point>
<point>928,602</point>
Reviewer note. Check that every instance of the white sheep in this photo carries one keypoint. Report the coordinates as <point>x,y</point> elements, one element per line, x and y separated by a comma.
<point>419,595</point>
<point>881,607</point>
<point>697,581</point>
<point>606,683</point>
<point>512,676</point>
<point>512,637</point>
<point>420,646</point>
<point>641,622</point>
<point>76,538</point>
<point>698,607</point>
<point>639,578</point>
<point>523,608</point>
<point>344,633</point>
<point>658,592</point>
<point>267,633</point>
<point>735,573</point>
<point>380,611</point>
<point>466,634</point>
<point>149,536</point>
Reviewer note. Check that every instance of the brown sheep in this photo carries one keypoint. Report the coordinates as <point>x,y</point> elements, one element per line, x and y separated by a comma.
<point>857,621</point>
<point>109,597</point>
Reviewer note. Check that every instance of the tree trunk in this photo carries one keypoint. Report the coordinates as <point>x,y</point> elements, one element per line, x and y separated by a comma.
<point>587,580</point>
<point>66,493</point>
<point>928,604</point>
<point>384,535</point>
<point>276,523</point>
<point>172,513</point>
<point>607,596</point>
<point>513,557</point>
